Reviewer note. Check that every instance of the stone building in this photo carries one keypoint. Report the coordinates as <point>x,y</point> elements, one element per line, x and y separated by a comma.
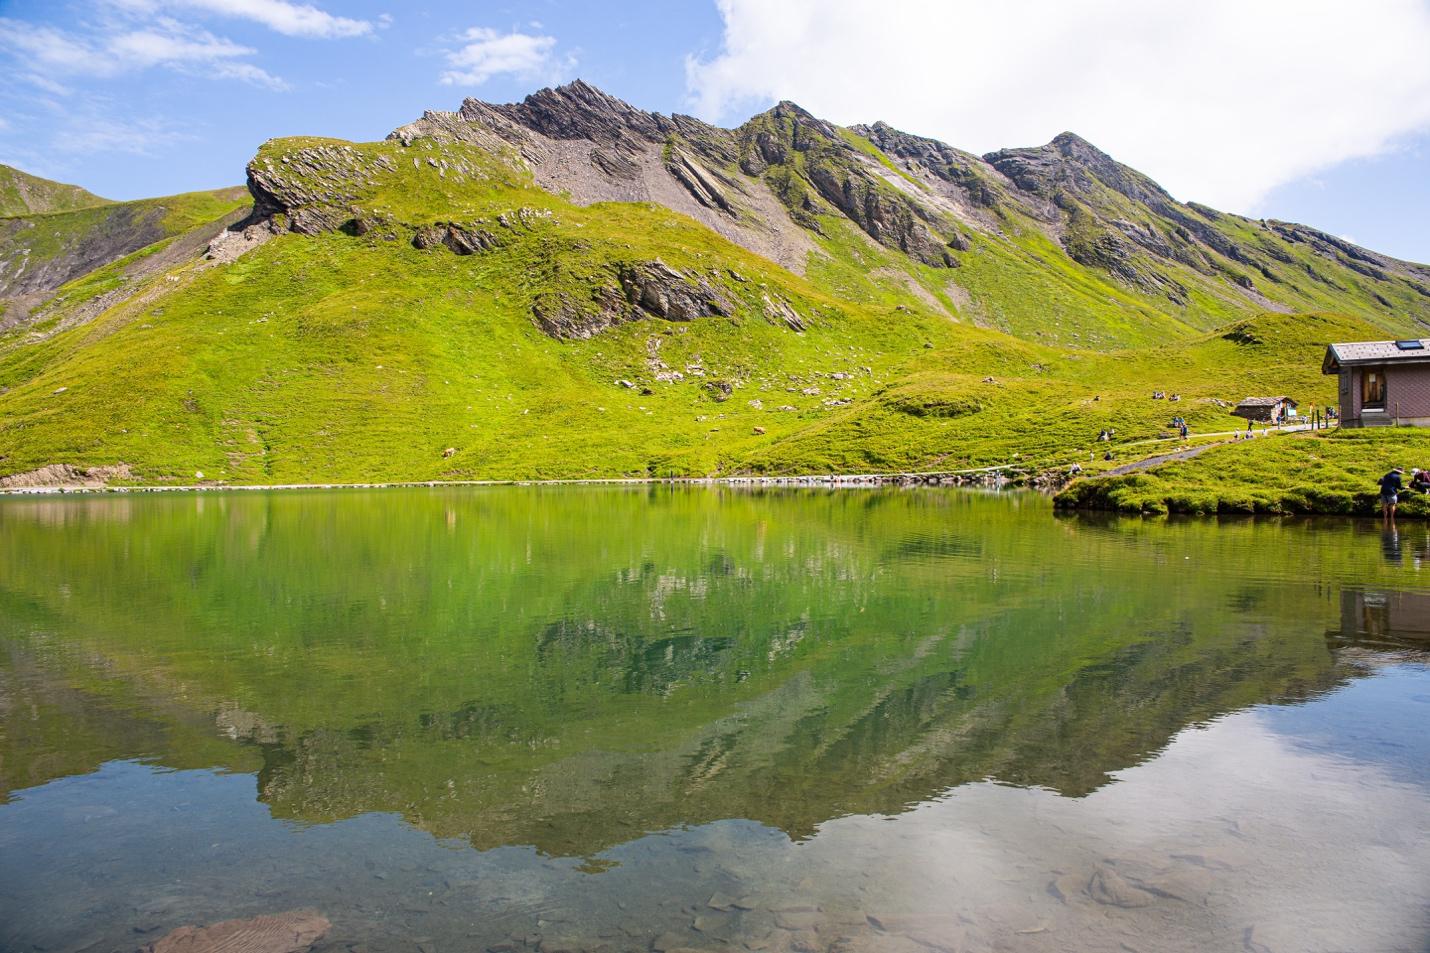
<point>1266,410</point>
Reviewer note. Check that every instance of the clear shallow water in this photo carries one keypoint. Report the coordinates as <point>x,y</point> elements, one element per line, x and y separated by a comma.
<point>568,719</point>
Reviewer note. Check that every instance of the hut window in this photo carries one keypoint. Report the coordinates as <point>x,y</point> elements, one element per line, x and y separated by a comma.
<point>1373,389</point>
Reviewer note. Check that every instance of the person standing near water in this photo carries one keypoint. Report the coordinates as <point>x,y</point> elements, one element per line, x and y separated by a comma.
<point>1390,487</point>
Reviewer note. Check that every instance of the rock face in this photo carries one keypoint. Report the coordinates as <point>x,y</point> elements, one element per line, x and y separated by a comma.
<point>783,179</point>
<point>293,932</point>
<point>629,293</point>
<point>312,188</point>
<point>806,160</point>
<point>589,145</point>
<point>458,239</point>
<point>910,194</point>
<point>664,292</point>
<point>65,475</point>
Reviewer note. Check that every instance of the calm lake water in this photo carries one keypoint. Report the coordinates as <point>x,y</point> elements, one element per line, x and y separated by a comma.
<point>572,719</point>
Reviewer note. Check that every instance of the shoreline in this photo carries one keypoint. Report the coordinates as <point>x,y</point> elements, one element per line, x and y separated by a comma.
<point>985,477</point>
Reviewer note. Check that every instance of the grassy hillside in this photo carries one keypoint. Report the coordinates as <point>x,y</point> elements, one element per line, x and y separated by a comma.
<point>40,253</point>
<point>1325,472</point>
<point>25,194</point>
<point>397,334</point>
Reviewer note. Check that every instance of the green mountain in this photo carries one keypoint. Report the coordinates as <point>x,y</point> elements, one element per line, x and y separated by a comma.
<point>25,194</point>
<point>572,287</point>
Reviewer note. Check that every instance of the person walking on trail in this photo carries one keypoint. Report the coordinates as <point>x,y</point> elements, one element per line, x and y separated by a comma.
<point>1390,487</point>
<point>1184,430</point>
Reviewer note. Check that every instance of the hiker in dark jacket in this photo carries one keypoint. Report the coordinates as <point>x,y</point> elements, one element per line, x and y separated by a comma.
<point>1390,487</point>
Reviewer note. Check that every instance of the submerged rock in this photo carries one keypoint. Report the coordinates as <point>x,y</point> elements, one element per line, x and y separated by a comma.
<point>292,932</point>
<point>1109,887</point>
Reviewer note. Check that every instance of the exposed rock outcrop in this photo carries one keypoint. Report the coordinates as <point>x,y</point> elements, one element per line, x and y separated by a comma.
<point>461,240</point>
<point>779,311</point>
<point>631,292</point>
<point>664,292</point>
<point>65,475</point>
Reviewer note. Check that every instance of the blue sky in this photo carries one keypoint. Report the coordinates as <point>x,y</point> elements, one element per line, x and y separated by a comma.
<point>1307,110</point>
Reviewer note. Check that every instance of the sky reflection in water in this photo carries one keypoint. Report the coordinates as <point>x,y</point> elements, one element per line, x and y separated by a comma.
<point>585,718</point>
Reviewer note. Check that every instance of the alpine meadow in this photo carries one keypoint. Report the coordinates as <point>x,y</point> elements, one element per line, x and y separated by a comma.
<point>571,287</point>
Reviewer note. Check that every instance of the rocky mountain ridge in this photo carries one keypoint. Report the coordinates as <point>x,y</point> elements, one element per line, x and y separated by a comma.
<point>780,181</point>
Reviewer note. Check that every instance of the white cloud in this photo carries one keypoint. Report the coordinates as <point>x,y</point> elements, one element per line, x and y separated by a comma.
<point>281,16</point>
<point>1220,100</point>
<point>248,73</point>
<point>486,53</point>
<point>97,135</point>
<point>141,49</point>
<point>46,53</point>
<point>45,46</point>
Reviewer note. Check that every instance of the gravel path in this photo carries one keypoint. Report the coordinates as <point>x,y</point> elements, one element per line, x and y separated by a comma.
<point>1146,462</point>
<point>1190,452</point>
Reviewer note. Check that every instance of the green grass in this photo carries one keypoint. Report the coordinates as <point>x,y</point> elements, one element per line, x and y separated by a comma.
<point>339,358</point>
<point>25,194</point>
<point>334,358</point>
<point>1323,472</point>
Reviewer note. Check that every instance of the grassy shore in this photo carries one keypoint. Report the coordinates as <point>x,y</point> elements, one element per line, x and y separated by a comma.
<point>1333,472</point>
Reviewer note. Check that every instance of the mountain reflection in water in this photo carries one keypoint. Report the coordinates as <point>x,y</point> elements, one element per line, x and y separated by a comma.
<point>621,698</point>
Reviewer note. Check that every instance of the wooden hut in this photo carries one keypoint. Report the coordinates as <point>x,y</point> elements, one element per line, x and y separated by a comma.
<point>1265,410</point>
<point>1382,382</point>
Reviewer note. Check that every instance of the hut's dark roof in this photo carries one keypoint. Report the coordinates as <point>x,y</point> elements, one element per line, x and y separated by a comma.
<point>1265,401</point>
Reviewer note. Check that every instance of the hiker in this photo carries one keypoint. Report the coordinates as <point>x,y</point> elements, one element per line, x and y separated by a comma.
<point>1184,430</point>
<point>1248,426</point>
<point>1390,487</point>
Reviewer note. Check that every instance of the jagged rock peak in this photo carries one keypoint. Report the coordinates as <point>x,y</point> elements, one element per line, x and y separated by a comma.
<point>795,114</point>
<point>1070,162</point>
<point>1073,146</point>
<point>1065,146</point>
<point>579,110</point>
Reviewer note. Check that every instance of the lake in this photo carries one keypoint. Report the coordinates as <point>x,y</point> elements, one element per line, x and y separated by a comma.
<point>635,718</point>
